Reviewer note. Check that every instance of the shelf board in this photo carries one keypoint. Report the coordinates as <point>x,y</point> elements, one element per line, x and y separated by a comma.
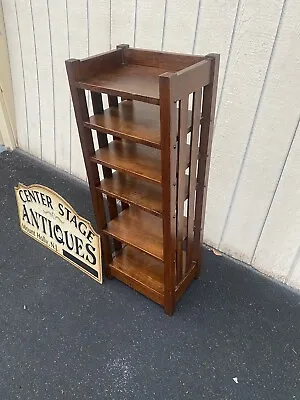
<point>138,229</point>
<point>132,120</point>
<point>140,271</point>
<point>132,158</point>
<point>137,82</point>
<point>146,195</point>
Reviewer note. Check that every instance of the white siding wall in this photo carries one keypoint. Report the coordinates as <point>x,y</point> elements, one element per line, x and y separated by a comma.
<point>253,210</point>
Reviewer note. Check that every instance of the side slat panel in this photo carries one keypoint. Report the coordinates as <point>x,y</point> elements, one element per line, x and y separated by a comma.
<point>208,112</point>
<point>197,97</point>
<point>107,172</point>
<point>181,193</point>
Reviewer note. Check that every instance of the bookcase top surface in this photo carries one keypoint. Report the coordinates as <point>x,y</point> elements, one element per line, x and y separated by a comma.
<point>130,73</point>
<point>131,81</point>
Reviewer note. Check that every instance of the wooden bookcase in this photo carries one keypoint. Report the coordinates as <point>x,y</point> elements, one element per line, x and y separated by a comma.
<point>161,112</point>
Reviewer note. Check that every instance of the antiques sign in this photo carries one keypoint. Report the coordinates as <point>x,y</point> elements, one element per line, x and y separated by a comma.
<point>49,219</point>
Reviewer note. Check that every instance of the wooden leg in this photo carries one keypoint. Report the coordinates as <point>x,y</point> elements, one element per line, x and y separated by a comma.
<point>169,304</point>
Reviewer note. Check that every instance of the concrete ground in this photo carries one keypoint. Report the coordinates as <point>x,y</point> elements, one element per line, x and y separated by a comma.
<point>235,334</point>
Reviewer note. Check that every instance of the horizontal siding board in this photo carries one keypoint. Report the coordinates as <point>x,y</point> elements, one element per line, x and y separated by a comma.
<point>98,26</point>
<point>122,22</point>
<point>62,103</point>
<point>215,31</point>
<point>30,75</point>
<point>45,79</point>
<point>180,25</point>
<point>79,43</point>
<point>294,277</point>
<point>279,242</point>
<point>149,14</point>
<point>272,134</point>
<point>251,49</point>
<point>16,64</point>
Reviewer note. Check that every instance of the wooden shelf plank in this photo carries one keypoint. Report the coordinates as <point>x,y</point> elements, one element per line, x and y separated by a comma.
<point>138,229</point>
<point>137,82</point>
<point>132,158</point>
<point>132,120</point>
<point>140,271</point>
<point>146,195</point>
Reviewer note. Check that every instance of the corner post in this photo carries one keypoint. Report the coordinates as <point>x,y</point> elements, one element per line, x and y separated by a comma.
<point>169,149</point>
<point>87,144</point>
<point>206,136</point>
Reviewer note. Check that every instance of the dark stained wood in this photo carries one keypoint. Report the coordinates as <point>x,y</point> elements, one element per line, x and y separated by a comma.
<point>207,126</point>
<point>169,148</point>
<point>197,97</point>
<point>140,271</point>
<point>132,120</point>
<point>130,81</point>
<point>143,194</point>
<point>134,159</point>
<point>138,229</point>
<point>191,79</point>
<point>150,156</point>
<point>87,67</point>
<point>170,62</point>
<point>102,142</point>
<point>181,194</point>
<point>186,281</point>
<point>87,144</point>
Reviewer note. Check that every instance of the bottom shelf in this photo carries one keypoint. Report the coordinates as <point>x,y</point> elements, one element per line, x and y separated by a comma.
<point>141,272</point>
<point>145,274</point>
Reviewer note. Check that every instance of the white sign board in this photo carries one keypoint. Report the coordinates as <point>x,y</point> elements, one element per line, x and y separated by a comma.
<point>51,220</point>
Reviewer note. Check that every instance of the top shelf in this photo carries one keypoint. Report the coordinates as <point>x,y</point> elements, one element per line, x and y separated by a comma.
<point>130,73</point>
<point>135,82</point>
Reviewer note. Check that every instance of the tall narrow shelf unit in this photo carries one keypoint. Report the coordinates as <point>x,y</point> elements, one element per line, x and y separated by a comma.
<point>160,114</point>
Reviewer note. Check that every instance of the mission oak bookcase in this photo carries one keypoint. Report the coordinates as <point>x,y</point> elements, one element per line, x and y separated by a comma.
<point>160,114</point>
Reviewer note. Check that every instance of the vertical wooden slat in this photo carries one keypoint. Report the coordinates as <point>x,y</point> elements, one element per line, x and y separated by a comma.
<point>208,112</point>
<point>113,102</point>
<point>193,173</point>
<point>181,193</point>
<point>107,172</point>
<point>87,144</point>
<point>168,162</point>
